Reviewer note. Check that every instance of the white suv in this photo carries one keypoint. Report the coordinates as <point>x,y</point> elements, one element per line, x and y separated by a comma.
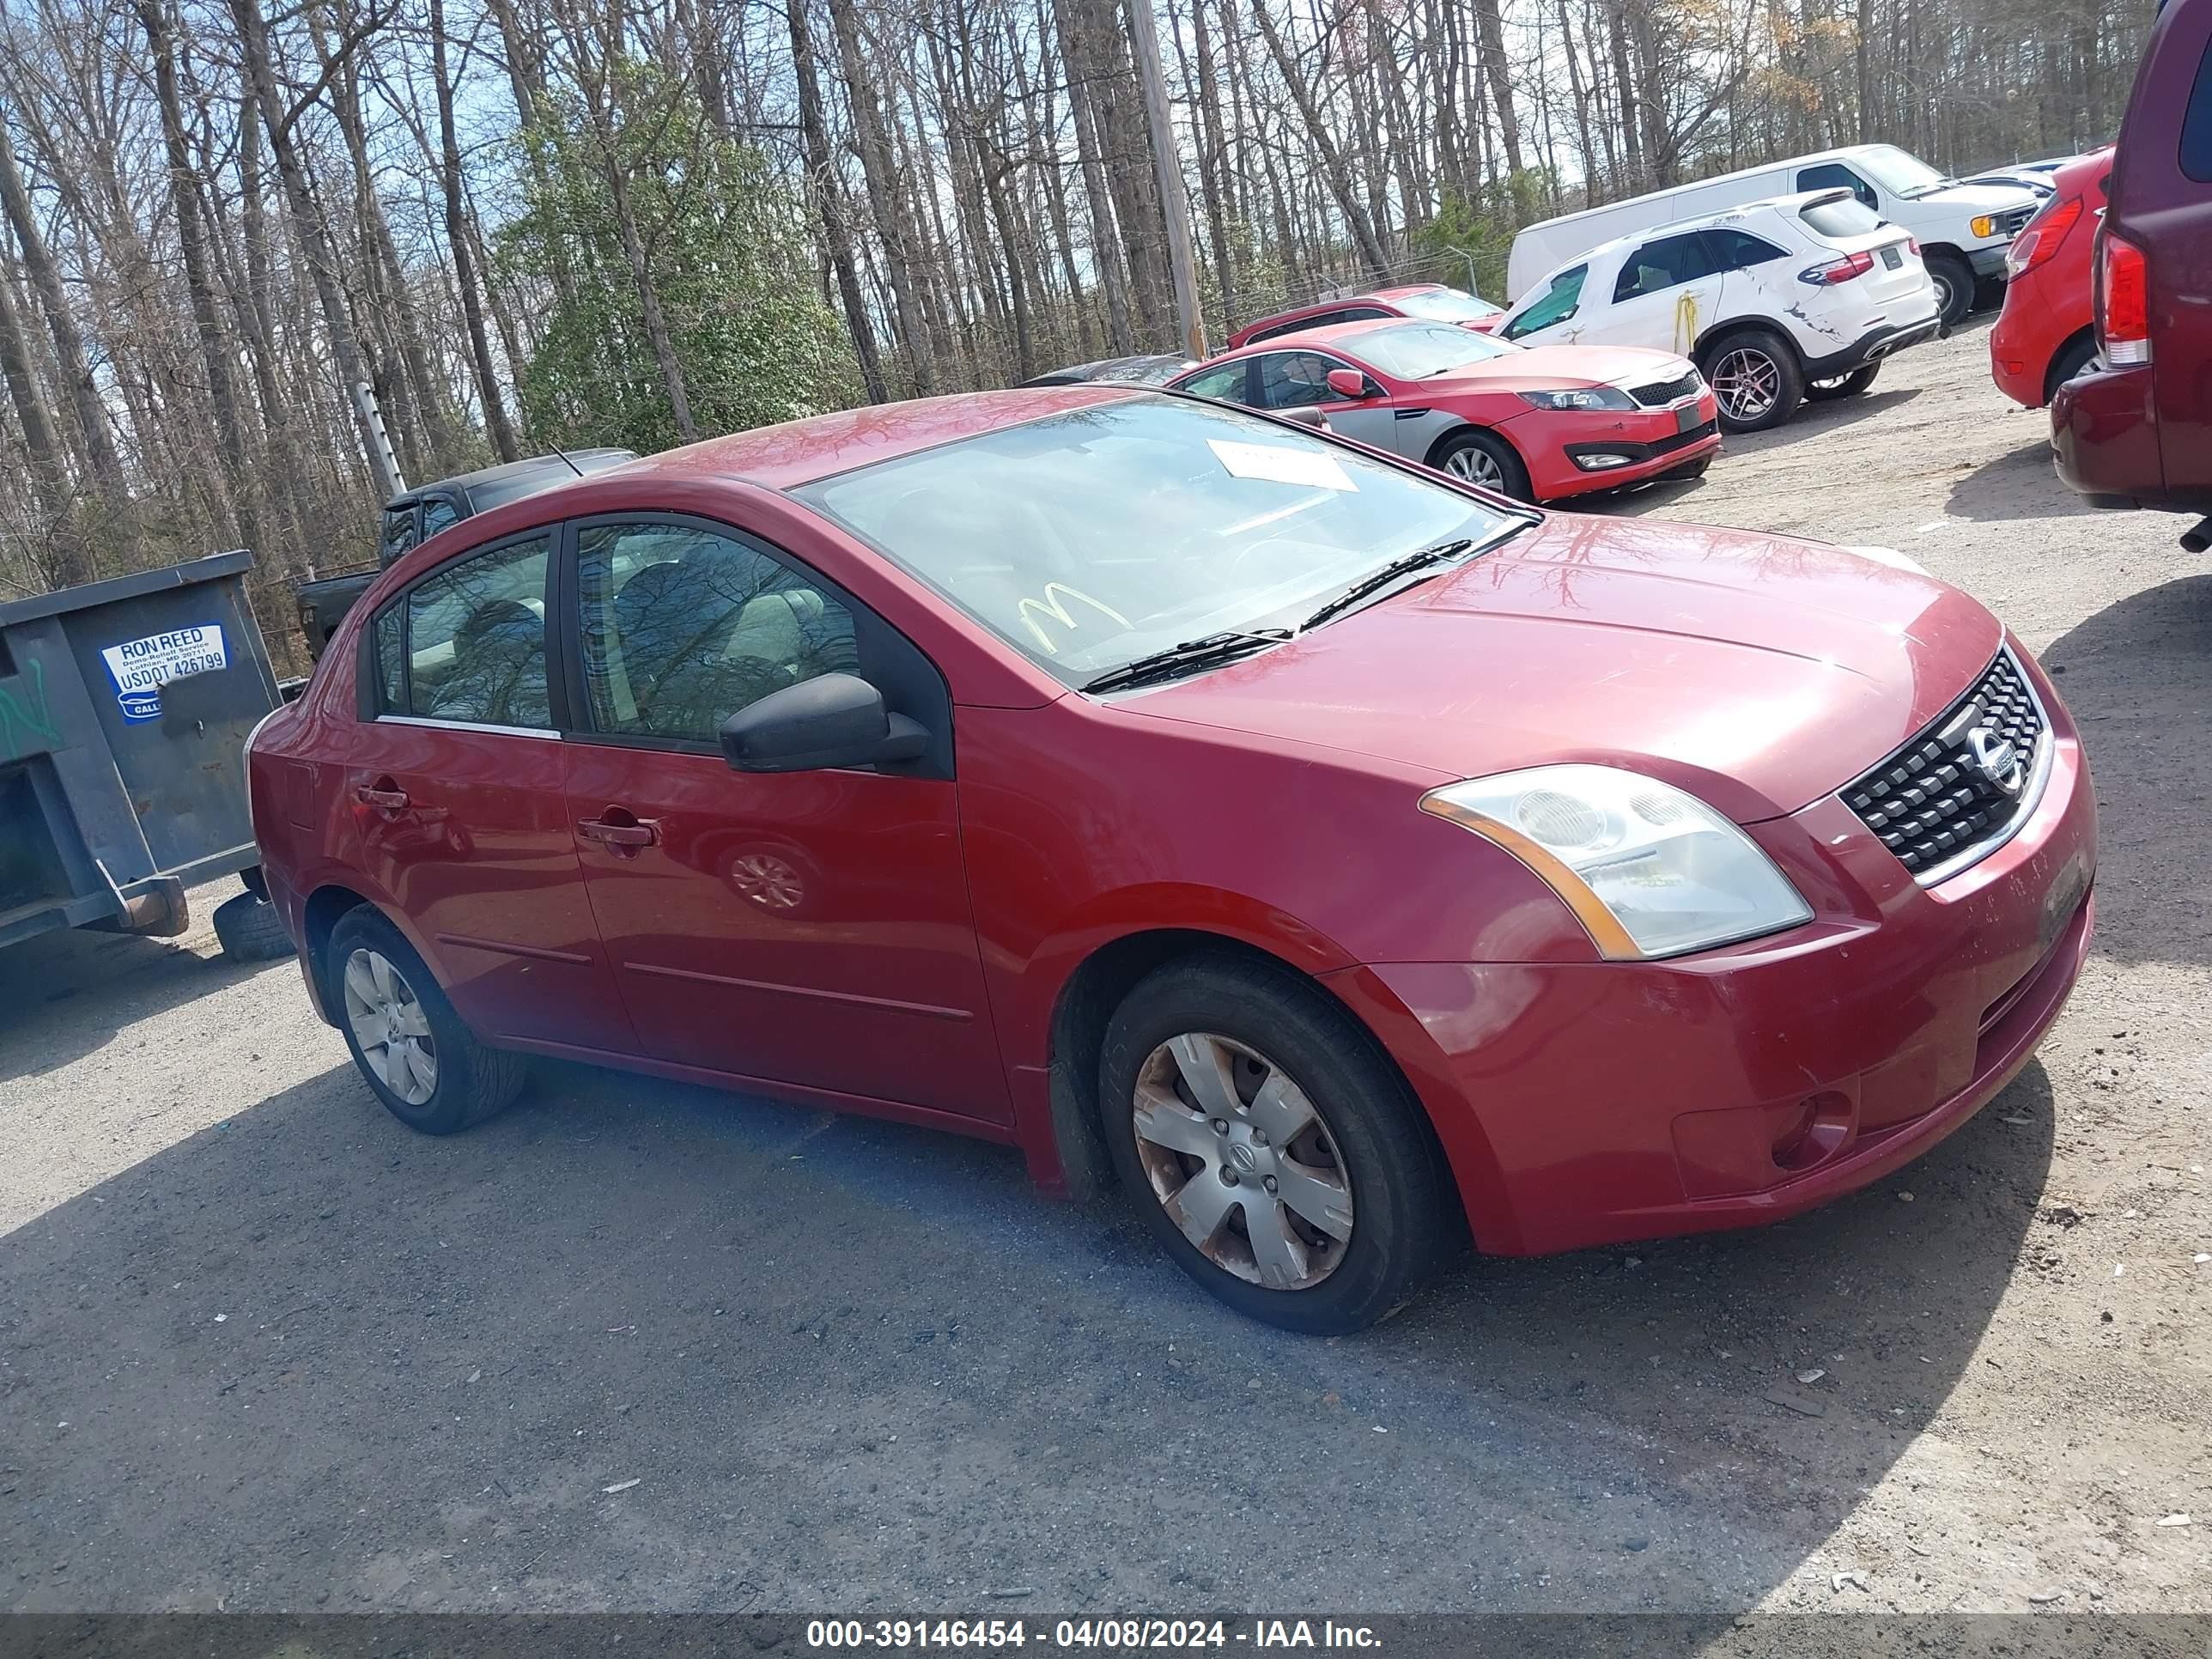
<point>1777,301</point>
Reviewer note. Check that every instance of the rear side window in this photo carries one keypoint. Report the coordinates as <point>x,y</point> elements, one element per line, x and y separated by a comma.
<point>1323,320</point>
<point>1830,174</point>
<point>1667,262</point>
<point>1844,216</point>
<point>2196,123</point>
<point>398,533</point>
<point>473,645</point>
<point>1560,301</point>
<point>1226,384</point>
<point>1738,249</point>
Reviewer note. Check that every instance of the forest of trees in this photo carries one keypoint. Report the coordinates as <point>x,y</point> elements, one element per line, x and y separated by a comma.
<point>528,222</point>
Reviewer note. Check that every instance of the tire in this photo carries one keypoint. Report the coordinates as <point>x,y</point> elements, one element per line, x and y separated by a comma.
<point>1360,1149</point>
<point>251,929</point>
<point>1841,385</point>
<point>2072,358</point>
<point>1954,286</point>
<point>1756,378</point>
<point>468,1081</point>
<point>1484,458</point>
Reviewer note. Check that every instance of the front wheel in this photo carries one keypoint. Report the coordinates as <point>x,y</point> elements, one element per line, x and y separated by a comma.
<point>423,1063</point>
<point>1843,385</point>
<point>1954,288</point>
<point>1484,458</point>
<point>1272,1149</point>
<point>1755,380</point>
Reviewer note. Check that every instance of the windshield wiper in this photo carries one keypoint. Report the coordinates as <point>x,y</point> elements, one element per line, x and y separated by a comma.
<point>1188,658</point>
<point>1375,580</point>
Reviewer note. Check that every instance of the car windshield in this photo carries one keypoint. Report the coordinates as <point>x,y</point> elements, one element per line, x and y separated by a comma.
<point>1088,539</point>
<point>1444,305</point>
<point>1418,351</point>
<point>1896,171</point>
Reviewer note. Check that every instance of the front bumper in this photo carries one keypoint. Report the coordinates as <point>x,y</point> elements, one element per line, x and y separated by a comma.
<point>1594,1104</point>
<point>1990,261</point>
<point>1653,440</point>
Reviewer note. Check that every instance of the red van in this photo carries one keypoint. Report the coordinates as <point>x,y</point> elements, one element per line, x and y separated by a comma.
<point>2046,333</point>
<point>2138,430</point>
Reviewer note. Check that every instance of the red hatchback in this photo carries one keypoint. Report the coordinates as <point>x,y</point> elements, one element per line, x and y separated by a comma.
<point>1336,854</point>
<point>2044,335</point>
<point>1534,423</point>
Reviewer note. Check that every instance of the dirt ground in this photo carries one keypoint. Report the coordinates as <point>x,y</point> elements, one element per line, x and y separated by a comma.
<point>637,1346</point>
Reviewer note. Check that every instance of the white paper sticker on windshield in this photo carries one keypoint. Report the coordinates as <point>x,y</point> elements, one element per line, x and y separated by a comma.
<point>1316,469</point>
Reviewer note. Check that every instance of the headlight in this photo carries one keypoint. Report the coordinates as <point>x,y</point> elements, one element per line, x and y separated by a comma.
<point>1594,397</point>
<point>1648,870</point>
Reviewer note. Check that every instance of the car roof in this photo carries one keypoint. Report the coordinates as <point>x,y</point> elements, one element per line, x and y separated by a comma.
<point>510,480</point>
<point>798,453</point>
<point>1714,220</point>
<point>1811,158</point>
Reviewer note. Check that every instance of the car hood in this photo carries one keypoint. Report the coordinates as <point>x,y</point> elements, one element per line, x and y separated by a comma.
<point>1759,672</point>
<point>1549,367</point>
<point>1971,199</point>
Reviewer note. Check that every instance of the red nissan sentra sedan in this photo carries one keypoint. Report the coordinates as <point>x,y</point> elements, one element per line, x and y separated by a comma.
<point>1534,423</point>
<point>1332,851</point>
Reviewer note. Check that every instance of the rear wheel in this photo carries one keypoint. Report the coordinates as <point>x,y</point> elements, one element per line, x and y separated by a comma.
<point>1270,1148</point>
<point>1755,380</point>
<point>2073,357</point>
<point>251,929</point>
<point>1483,458</point>
<point>1954,286</point>
<point>423,1063</point>
<point>1841,385</point>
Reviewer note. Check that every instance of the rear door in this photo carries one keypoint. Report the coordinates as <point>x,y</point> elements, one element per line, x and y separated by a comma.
<point>455,787</point>
<point>808,928</point>
<point>1665,295</point>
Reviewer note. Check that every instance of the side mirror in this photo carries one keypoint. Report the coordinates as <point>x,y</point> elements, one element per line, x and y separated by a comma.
<point>1348,384</point>
<point>832,720</point>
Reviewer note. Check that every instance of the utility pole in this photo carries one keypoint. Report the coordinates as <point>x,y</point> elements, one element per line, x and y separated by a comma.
<point>1173,205</point>
<point>383,465</point>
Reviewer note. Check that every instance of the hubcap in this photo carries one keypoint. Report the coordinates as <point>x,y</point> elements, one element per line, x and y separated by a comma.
<point>390,1026</point>
<point>1242,1162</point>
<point>1747,382</point>
<point>1942,297</point>
<point>1477,466</point>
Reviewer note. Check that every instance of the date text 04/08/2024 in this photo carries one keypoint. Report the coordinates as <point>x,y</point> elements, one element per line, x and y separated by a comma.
<point>1110,1634</point>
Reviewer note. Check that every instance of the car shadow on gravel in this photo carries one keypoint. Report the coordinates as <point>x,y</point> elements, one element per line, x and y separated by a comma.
<point>65,993</point>
<point>2138,676</point>
<point>637,1345</point>
<point>2021,484</point>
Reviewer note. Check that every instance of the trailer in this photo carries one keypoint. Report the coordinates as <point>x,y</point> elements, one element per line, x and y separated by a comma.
<point>124,709</point>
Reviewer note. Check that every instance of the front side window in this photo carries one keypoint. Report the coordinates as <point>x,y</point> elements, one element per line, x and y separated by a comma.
<point>1224,384</point>
<point>1420,351</point>
<point>1295,379</point>
<point>1657,266</point>
<point>1738,249</point>
<point>438,514</point>
<point>1087,539</point>
<point>1558,303</point>
<point>683,627</point>
<point>475,645</point>
<point>1831,175</point>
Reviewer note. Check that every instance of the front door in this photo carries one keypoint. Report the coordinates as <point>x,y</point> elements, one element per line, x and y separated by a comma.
<point>809,927</point>
<point>455,787</point>
<point>1299,379</point>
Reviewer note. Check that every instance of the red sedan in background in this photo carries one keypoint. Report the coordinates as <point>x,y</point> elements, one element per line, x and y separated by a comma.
<point>2045,335</point>
<point>1535,423</point>
<point>1431,302</point>
<point>1345,858</point>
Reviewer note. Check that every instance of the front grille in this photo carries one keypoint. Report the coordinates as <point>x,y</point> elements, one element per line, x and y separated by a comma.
<point>1660,393</point>
<point>2015,221</point>
<point>1938,803</point>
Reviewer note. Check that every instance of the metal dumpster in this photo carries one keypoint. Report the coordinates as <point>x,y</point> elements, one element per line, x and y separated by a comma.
<point>125,707</point>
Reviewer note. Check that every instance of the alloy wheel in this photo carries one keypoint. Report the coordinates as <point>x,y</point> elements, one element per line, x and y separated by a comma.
<point>1242,1162</point>
<point>1477,465</point>
<point>1747,381</point>
<point>390,1026</point>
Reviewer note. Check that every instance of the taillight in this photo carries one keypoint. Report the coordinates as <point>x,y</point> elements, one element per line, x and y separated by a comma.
<point>1838,271</point>
<point>1912,246</point>
<point>2122,302</point>
<point>2040,241</point>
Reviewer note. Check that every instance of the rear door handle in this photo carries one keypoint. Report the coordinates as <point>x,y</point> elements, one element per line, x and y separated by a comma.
<point>389,800</point>
<point>641,832</point>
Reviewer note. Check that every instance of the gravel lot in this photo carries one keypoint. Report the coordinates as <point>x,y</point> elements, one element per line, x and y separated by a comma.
<point>262,1348</point>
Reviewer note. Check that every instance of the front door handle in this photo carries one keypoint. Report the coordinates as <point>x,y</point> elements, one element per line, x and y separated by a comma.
<point>627,837</point>
<point>389,800</point>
